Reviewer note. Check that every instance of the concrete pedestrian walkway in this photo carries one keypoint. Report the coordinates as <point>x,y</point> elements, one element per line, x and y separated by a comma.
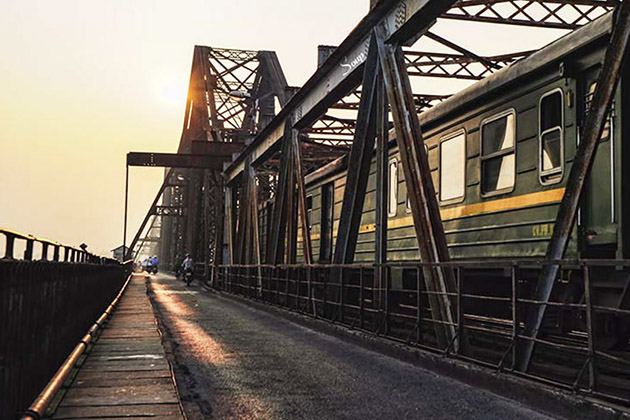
<point>126,375</point>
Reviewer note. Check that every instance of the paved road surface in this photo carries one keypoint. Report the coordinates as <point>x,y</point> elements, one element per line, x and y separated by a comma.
<point>236,362</point>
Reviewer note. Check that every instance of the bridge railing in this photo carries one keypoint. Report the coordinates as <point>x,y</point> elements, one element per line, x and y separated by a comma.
<point>20,246</point>
<point>48,299</point>
<point>583,347</point>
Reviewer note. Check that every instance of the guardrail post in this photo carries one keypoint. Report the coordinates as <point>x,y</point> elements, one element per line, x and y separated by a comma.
<point>298,298</point>
<point>419,307</point>
<point>286,287</point>
<point>590,329</point>
<point>342,286</point>
<point>10,246</point>
<point>56,253</point>
<point>44,251</point>
<point>387,275</point>
<point>311,304</point>
<point>28,253</point>
<point>325,287</point>
<point>515,321</point>
<point>460,312</point>
<point>361,297</point>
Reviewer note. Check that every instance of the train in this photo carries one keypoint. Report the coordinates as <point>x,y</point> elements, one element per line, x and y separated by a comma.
<point>500,152</point>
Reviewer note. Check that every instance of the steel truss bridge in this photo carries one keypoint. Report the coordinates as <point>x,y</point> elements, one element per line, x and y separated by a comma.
<point>249,140</point>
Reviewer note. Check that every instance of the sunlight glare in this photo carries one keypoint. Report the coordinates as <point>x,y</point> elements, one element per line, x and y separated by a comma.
<point>172,92</point>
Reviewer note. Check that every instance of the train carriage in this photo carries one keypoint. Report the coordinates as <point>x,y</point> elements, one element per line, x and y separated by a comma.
<point>500,153</point>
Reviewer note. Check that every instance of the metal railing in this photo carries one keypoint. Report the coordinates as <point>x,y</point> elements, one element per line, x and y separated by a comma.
<point>47,302</point>
<point>490,304</point>
<point>48,250</point>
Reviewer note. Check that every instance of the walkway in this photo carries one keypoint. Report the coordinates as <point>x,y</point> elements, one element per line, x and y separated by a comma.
<point>126,375</point>
<point>236,362</point>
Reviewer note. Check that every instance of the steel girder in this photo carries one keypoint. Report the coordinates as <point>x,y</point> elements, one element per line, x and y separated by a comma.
<point>582,161</point>
<point>558,14</point>
<point>232,96</point>
<point>273,163</point>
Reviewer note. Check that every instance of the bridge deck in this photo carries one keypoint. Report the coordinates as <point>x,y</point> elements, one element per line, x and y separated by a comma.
<point>233,361</point>
<point>126,375</point>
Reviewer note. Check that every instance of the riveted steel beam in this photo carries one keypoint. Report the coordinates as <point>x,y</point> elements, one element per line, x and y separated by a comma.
<point>279,214</point>
<point>424,207</point>
<point>608,79</point>
<point>401,22</point>
<point>359,162</point>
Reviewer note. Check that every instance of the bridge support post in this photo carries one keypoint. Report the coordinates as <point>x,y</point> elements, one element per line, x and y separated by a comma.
<point>307,247</point>
<point>582,163</point>
<point>277,235</point>
<point>439,279</point>
<point>382,183</point>
<point>359,162</point>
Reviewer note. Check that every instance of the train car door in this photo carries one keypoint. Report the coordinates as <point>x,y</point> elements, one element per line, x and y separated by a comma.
<point>327,220</point>
<point>598,228</point>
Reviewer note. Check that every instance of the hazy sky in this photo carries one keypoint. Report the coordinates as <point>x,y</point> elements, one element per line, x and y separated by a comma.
<point>84,82</point>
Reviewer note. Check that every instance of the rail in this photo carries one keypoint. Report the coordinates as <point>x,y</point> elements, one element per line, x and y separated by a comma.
<point>60,252</point>
<point>49,297</point>
<point>491,302</point>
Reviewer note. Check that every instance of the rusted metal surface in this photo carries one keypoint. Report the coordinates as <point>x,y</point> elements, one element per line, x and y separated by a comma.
<point>582,162</point>
<point>382,182</point>
<point>421,191</point>
<point>402,20</point>
<point>277,235</point>
<point>557,14</point>
<point>301,189</point>
<point>176,160</point>
<point>359,162</point>
<point>126,373</point>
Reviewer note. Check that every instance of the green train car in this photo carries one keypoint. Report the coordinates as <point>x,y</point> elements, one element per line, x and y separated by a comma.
<point>500,153</point>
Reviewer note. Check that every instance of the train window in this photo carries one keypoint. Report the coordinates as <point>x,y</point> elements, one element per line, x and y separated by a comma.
<point>550,137</point>
<point>309,210</point>
<point>498,163</point>
<point>453,166</point>
<point>392,207</point>
<point>327,222</point>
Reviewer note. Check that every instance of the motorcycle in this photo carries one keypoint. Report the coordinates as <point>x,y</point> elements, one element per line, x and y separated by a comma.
<point>188,277</point>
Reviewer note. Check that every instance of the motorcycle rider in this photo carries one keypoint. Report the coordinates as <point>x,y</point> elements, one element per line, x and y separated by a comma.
<point>154,263</point>
<point>187,267</point>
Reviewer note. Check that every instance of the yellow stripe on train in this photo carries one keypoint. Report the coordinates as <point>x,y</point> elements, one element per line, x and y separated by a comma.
<point>503,204</point>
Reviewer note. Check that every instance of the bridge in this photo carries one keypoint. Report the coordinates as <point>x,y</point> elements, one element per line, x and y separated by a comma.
<point>309,298</point>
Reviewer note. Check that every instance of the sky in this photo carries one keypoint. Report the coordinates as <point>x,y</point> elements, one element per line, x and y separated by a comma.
<point>84,82</point>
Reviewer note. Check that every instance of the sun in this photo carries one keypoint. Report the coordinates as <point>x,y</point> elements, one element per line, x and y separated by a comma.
<point>172,93</point>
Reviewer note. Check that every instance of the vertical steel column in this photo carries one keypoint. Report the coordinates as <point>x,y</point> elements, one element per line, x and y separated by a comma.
<point>229,223</point>
<point>424,207</point>
<point>291,205</point>
<point>582,162</point>
<point>220,227</point>
<point>242,242</point>
<point>255,229</point>
<point>382,187</point>
<point>307,247</point>
<point>359,162</point>
<point>279,217</point>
